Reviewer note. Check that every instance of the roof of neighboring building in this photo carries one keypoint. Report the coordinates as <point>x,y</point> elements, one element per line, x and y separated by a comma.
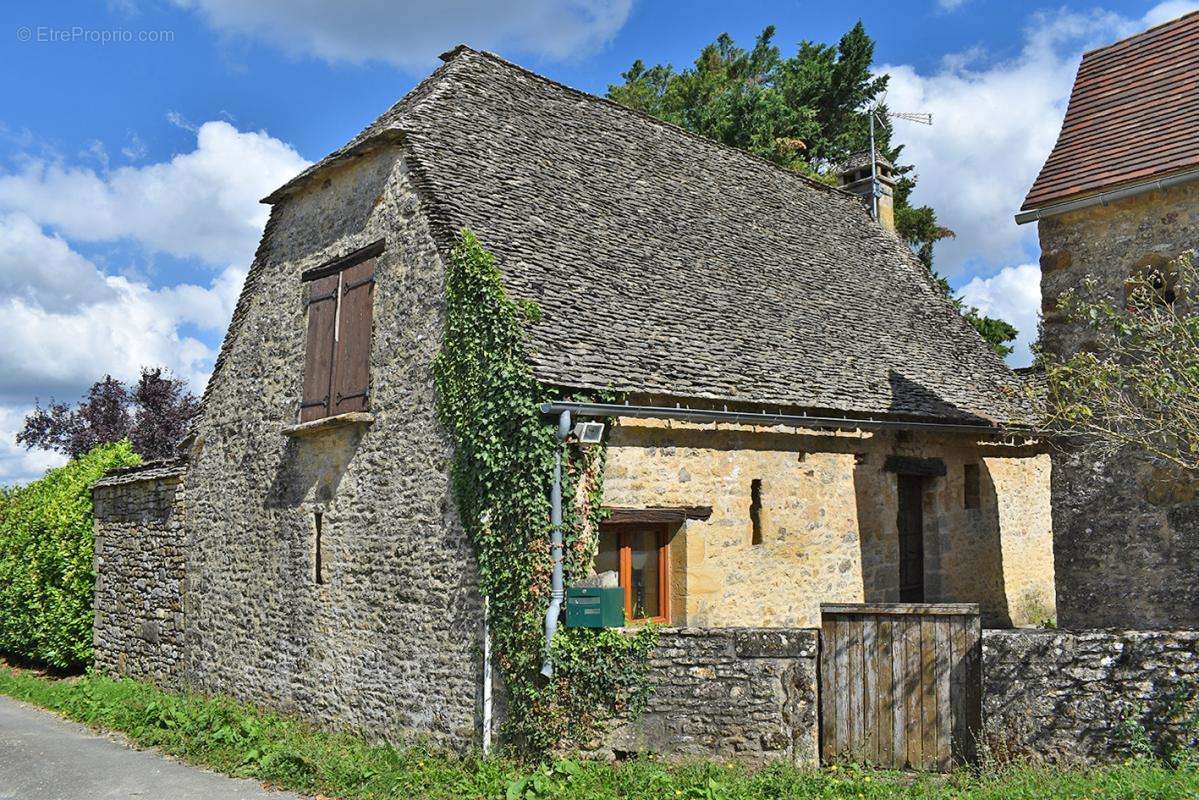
<point>1131,116</point>
<point>146,471</point>
<point>665,263</point>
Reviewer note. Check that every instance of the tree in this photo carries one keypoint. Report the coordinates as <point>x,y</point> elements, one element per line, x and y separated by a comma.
<point>153,416</point>
<point>995,332</point>
<point>1135,383</point>
<point>807,113</point>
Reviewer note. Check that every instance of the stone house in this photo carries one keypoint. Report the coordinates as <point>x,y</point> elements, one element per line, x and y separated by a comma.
<point>1119,194</point>
<point>808,420</point>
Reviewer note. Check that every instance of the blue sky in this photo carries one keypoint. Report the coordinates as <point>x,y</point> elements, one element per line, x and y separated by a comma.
<point>136,137</point>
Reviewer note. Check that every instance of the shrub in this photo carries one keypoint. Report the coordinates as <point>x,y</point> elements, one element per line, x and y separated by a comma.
<point>46,560</point>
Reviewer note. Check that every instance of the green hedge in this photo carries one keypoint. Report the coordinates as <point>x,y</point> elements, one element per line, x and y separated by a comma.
<point>46,560</point>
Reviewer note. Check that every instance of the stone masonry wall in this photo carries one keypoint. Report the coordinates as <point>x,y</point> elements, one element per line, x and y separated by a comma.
<point>388,640</point>
<point>828,521</point>
<point>1126,532</point>
<point>140,583</point>
<point>1060,696</point>
<point>743,693</point>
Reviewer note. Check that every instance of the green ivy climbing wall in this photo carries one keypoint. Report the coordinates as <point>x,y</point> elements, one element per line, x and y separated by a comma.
<point>488,401</point>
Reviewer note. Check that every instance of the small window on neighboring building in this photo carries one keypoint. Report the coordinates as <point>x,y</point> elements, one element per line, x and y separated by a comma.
<point>640,556</point>
<point>972,488</point>
<point>755,510</point>
<point>1157,273</point>
<point>338,343</point>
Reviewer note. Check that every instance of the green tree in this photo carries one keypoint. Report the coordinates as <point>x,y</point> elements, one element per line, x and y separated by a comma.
<point>808,112</point>
<point>46,560</point>
<point>1135,383</point>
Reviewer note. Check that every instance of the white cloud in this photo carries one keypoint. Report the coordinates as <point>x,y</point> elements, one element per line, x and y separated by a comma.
<point>1013,294</point>
<point>18,465</point>
<point>411,34</point>
<point>950,5</point>
<point>994,124</point>
<point>202,204</point>
<point>60,348</point>
<point>1171,9</point>
<point>135,150</point>
<point>64,323</point>
<point>46,354</point>
<point>43,270</point>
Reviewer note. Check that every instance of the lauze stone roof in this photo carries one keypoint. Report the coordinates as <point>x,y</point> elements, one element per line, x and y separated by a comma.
<point>664,263</point>
<point>1131,116</point>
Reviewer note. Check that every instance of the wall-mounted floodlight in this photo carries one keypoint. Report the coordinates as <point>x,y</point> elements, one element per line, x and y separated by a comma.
<point>589,432</point>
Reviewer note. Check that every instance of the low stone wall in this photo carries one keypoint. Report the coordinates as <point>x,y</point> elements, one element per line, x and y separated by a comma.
<point>139,567</point>
<point>1061,696</point>
<point>743,693</point>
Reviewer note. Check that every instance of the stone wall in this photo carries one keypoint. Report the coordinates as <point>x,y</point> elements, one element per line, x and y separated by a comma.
<point>1126,531</point>
<point>748,694</point>
<point>828,521</point>
<point>139,568</point>
<point>389,639</point>
<point>1060,696</point>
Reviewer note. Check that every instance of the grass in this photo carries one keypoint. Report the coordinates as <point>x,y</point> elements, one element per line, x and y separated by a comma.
<point>238,739</point>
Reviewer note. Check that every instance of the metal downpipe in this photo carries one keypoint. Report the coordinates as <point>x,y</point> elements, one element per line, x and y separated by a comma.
<point>557,592</point>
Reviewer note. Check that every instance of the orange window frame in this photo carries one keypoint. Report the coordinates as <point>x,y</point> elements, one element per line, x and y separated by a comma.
<point>624,535</point>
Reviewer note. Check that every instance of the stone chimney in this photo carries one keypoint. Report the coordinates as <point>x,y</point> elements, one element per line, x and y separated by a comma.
<point>855,177</point>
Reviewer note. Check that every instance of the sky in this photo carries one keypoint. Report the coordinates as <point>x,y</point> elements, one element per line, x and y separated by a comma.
<point>137,136</point>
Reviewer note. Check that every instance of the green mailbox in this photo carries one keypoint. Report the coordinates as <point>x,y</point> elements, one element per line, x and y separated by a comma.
<point>588,607</point>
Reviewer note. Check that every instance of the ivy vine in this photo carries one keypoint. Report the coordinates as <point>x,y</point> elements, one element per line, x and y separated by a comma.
<point>488,401</point>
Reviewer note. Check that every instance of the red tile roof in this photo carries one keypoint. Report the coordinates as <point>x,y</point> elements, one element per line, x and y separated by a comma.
<point>1131,118</point>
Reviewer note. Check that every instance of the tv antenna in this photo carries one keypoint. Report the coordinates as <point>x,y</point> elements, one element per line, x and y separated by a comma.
<point>876,112</point>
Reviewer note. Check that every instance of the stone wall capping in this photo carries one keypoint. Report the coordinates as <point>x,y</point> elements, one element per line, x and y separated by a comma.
<point>319,426</point>
<point>921,609</point>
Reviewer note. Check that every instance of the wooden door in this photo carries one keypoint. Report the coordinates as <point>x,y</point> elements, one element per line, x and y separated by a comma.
<point>910,523</point>
<point>900,684</point>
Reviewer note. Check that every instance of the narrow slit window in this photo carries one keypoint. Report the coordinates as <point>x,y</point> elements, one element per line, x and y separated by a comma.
<point>972,492</point>
<point>755,510</point>
<point>318,562</point>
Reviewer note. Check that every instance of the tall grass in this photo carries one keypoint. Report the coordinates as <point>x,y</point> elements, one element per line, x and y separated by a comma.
<point>242,740</point>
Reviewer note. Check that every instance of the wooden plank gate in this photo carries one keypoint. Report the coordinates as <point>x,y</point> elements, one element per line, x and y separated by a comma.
<point>900,684</point>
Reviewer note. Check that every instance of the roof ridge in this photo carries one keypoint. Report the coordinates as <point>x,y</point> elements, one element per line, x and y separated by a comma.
<point>454,53</point>
<point>1129,39</point>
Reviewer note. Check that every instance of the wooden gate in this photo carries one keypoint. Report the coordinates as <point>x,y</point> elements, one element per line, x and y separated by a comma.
<point>900,684</point>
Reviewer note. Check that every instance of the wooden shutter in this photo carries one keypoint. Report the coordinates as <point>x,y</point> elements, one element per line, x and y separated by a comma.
<point>318,357</point>
<point>351,381</point>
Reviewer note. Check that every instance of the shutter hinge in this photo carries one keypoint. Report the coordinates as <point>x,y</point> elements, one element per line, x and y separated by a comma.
<point>331,296</point>
<point>356,284</point>
<point>324,402</point>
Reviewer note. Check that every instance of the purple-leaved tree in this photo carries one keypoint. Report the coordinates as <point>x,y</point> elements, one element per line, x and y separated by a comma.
<point>153,415</point>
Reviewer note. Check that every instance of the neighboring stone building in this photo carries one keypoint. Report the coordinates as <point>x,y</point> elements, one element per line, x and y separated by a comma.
<point>1120,194</point>
<point>323,568</point>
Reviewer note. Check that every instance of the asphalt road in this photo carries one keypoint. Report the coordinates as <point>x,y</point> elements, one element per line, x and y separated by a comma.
<point>44,757</point>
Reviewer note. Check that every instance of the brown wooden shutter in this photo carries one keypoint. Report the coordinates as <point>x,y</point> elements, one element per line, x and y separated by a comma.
<point>318,358</point>
<point>351,381</point>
